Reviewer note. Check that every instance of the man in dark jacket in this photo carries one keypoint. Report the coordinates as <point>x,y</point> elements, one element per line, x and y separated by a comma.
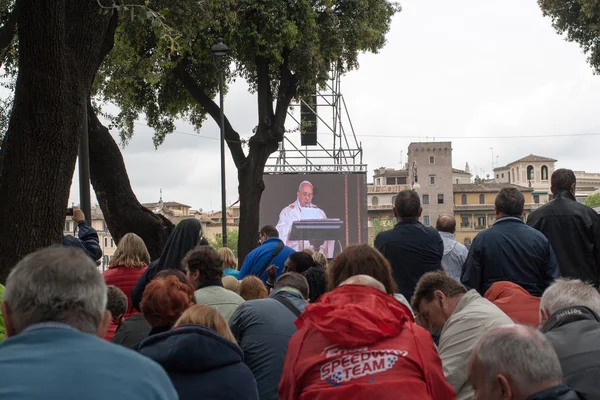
<point>569,312</point>
<point>411,248</point>
<point>517,362</point>
<point>510,251</point>
<point>87,239</point>
<point>263,328</point>
<point>573,229</point>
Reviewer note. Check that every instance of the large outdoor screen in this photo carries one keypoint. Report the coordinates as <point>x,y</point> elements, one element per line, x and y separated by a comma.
<point>321,212</point>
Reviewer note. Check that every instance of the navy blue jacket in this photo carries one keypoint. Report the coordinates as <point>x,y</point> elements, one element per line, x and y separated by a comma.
<point>87,241</point>
<point>412,249</point>
<point>201,364</point>
<point>510,251</point>
<point>258,257</point>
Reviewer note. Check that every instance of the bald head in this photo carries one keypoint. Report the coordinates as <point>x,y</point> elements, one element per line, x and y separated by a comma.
<point>517,357</point>
<point>446,223</point>
<point>364,280</point>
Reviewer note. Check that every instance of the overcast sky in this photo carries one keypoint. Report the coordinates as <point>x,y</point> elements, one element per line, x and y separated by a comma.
<point>473,72</point>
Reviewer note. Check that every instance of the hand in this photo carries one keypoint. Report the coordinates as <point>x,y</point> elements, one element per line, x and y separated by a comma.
<point>272,273</point>
<point>78,215</point>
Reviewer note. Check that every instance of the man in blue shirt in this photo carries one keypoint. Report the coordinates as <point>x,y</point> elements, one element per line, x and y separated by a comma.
<point>55,317</point>
<point>272,251</point>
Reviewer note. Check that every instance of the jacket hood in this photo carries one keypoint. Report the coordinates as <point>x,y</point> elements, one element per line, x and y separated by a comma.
<point>355,315</point>
<point>567,315</point>
<point>503,289</point>
<point>191,349</point>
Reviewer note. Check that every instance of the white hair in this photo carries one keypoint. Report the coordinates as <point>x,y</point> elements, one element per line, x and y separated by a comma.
<point>564,293</point>
<point>364,280</point>
<point>56,284</point>
<point>520,353</point>
<point>304,183</point>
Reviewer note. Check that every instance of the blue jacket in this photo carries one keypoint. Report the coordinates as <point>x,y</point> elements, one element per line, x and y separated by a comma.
<point>263,329</point>
<point>258,257</point>
<point>510,251</point>
<point>201,364</point>
<point>87,241</point>
<point>54,361</point>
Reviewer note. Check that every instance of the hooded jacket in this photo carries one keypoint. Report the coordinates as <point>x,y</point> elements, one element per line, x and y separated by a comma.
<point>360,343</point>
<point>515,302</point>
<point>201,364</point>
<point>573,229</point>
<point>574,333</point>
<point>184,237</point>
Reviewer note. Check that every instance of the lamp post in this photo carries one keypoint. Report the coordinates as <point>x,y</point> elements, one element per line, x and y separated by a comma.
<point>416,184</point>
<point>218,50</point>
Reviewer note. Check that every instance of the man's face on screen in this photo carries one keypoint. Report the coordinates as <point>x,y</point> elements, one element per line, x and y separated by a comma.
<point>305,195</point>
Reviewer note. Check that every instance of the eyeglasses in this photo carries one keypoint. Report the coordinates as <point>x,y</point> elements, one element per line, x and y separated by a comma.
<point>306,194</point>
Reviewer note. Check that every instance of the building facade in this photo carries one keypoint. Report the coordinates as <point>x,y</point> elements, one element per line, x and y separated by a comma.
<point>474,208</point>
<point>430,173</point>
<point>531,171</point>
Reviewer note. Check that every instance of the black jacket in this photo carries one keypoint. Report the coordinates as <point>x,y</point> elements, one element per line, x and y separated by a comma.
<point>132,331</point>
<point>574,232</point>
<point>560,392</point>
<point>575,335</point>
<point>413,250</point>
<point>510,251</point>
<point>87,240</point>
<point>201,364</point>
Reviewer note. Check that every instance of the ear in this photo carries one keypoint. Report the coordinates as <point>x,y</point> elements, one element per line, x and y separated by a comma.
<point>103,328</point>
<point>573,186</point>
<point>504,385</point>
<point>395,213</point>
<point>522,211</point>
<point>544,316</point>
<point>439,295</point>
<point>8,323</point>
<point>496,210</point>
<point>420,212</point>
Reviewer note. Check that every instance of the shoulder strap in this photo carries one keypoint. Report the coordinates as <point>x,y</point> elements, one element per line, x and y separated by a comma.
<point>273,255</point>
<point>288,304</point>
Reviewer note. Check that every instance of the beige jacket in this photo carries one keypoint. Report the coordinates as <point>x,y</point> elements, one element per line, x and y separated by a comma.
<point>225,301</point>
<point>472,317</point>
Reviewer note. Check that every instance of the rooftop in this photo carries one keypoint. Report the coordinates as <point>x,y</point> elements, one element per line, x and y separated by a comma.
<point>166,204</point>
<point>459,171</point>
<point>491,187</point>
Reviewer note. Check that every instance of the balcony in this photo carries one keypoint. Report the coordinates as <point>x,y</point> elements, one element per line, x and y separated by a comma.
<point>465,225</point>
<point>480,227</point>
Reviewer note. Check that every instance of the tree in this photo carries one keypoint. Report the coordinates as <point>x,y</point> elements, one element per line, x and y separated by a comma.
<point>381,225</point>
<point>60,45</point>
<point>579,20</point>
<point>593,200</point>
<point>232,240</point>
<point>283,48</point>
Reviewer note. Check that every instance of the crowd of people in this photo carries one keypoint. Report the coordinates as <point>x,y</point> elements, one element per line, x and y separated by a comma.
<point>417,316</point>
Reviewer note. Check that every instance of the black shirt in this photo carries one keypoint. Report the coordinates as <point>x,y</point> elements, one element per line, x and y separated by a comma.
<point>413,250</point>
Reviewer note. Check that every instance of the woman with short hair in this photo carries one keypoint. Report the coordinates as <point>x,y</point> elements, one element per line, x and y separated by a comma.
<point>202,358</point>
<point>230,262</point>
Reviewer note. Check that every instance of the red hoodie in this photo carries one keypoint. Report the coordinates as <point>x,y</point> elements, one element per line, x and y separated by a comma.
<point>515,302</point>
<point>360,343</point>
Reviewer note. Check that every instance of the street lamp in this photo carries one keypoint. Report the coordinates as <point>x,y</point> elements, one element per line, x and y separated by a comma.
<point>219,49</point>
<point>416,184</point>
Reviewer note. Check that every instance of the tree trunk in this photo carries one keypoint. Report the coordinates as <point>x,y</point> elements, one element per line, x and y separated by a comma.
<point>122,211</point>
<point>59,45</point>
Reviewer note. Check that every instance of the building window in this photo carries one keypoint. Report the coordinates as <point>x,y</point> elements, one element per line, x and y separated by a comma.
<point>67,226</point>
<point>536,198</point>
<point>432,179</point>
<point>544,173</point>
<point>112,243</point>
<point>503,174</point>
<point>431,159</point>
<point>425,199</point>
<point>481,221</point>
<point>105,242</point>
<point>497,176</point>
<point>390,181</point>
<point>513,175</point>
<point>401,180</point>
<point>440,199</point>
<point>457,181</point>
<point>518,175</point>
<point>482,198</point>
<point>530,173</point>
<point>426,220</point>
<point>463,199</point>
<point>464,222</point>
<point>375,201</point>
<point>394,200</point>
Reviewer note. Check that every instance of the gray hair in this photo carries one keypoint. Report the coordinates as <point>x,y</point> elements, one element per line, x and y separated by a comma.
<point>565,293</point>
<point>304,183</point>
<point>56,284</point>
<point>520,353</point>
<point>116,301</point>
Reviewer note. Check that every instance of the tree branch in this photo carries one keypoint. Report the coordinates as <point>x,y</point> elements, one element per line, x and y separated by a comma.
<point>7,34</point>
<point>231,136</point>
<point>288,87</point>
<point>265,97</point>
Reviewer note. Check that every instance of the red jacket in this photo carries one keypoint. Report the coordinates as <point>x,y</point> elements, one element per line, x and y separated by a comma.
<point>360,343</point>
<point>515,302</point>
<point>125,279</point>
